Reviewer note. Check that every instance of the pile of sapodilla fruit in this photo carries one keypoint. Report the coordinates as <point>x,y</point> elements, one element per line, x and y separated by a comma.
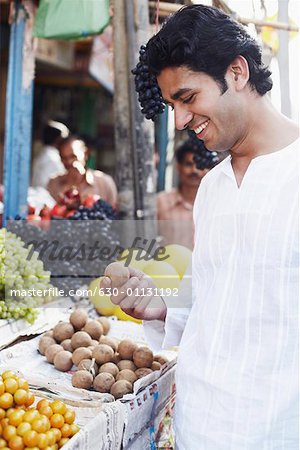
<point>103,363</point>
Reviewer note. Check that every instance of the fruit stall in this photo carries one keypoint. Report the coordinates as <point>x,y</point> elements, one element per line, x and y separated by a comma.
<point>81,355</point>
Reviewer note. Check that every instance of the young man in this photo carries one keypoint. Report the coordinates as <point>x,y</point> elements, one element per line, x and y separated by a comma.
<point>175,207</point>
<point>48,164</point>
<point>237,372</point>
<point>73,154</point>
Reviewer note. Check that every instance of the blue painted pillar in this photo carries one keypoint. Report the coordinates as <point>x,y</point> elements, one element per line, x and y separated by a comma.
<point>162,142</point>
<point>18,124</point>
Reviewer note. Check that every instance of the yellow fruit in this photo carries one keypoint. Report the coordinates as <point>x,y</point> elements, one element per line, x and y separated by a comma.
<point>2,443</point>
<point>163,274</point>
<point>179,257</point>
<point>41,403</point>
<point>10,411</point>
<point>23,384</point>
<point>8,374</point>
<point>51,437</point>
<point>121,315</point>
<point>30,399</point>
<point>102,302</point>
<point>58,407</point>
<point>43,440</point>
<point>69,416</point>
<point>57,421</point>
<point>31,415</point>
<point>57,434</point>
<point>74,429</point>
<point>46,411</point>
<point>6,400</point>
<point>20,396</point>
<point>16,443</point>
<point>66,430</point>
<point>16,418</point>
<point>9,432</point>
<point>23,428</point>
<point>30,438</point>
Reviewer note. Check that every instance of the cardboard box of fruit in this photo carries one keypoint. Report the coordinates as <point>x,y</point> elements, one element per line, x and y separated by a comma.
<point>98,362</point>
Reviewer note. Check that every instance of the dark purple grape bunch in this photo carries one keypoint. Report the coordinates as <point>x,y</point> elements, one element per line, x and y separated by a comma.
<point>204,159</point>
<point>149,93</point>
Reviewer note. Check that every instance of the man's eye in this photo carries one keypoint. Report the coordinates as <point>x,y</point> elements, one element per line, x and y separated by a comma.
<point>189,99</point>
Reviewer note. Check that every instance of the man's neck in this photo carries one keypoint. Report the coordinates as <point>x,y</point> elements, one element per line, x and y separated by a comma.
<point>188,193</point>
<point>269,131</point>
<point>76,181</point>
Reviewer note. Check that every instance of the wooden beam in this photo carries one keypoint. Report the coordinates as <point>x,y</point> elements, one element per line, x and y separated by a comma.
<point>124,169</point>
<point>168,8</point>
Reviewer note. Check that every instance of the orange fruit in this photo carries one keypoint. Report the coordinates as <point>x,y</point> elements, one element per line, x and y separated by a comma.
<point>16,443</point>
<point>9,432</point>
<point>20,396</point>
<point>57,433</point>
<point>23,428</point>
<point>11,385</point>
<point>69,416</point>
<point>57,420</point>
<point>6,400</point>
<point>30,438</point>
<point>30,399</point>
<point>58,407</point>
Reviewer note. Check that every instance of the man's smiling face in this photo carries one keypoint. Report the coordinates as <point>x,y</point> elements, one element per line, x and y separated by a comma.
<point>199,105</point>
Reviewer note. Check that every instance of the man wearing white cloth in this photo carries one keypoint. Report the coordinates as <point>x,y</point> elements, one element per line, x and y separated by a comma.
<point>237,372</point>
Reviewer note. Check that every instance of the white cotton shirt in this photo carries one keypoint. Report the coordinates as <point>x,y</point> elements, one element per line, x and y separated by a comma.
<point>237,371</point>
<point>46,165</point>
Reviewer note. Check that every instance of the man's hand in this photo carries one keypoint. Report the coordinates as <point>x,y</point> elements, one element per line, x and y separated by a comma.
<point>136,296</point>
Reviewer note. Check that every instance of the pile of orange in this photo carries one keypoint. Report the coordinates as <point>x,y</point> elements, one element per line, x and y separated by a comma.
<point>47,425</point>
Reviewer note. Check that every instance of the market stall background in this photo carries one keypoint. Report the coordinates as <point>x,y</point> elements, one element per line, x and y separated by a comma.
<point>71,82</point>
<point>91,89</point>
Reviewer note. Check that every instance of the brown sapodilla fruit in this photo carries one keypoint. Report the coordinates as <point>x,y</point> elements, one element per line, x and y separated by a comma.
<point>103,382</point>
<point>102,353</point>
<point>81,353</point>
<point>143,357</point>
<point>78,318</point>
<point>52,351</point>
<point>94,329</point>
<point>62,331</point>
<point>80,339</point>
<point>63,361</point>
<point>82,379</point>
<point>126,349</point>
<point>44,343</point>
<point>120,388</point>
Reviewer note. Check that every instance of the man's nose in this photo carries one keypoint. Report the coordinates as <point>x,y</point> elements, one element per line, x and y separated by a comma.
<point>182,118</point>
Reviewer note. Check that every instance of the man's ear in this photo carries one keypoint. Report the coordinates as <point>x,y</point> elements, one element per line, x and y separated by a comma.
<point>238,71</point>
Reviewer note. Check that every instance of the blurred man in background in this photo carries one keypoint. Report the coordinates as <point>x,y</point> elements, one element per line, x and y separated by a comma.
<point>48,164</point>
<point>74,153</point>
<point>175,208</point>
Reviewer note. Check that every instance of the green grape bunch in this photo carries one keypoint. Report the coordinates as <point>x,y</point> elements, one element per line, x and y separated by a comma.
<point>20,276</point>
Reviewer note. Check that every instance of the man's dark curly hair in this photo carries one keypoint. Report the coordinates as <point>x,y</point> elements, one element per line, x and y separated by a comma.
<point>204,39</point>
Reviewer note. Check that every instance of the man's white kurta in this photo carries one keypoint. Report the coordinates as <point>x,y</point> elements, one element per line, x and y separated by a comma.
<point>237,373</point>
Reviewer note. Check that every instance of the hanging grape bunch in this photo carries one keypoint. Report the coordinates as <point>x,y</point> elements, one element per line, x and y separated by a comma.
<point>204,159</point>
<point>149,93</point>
